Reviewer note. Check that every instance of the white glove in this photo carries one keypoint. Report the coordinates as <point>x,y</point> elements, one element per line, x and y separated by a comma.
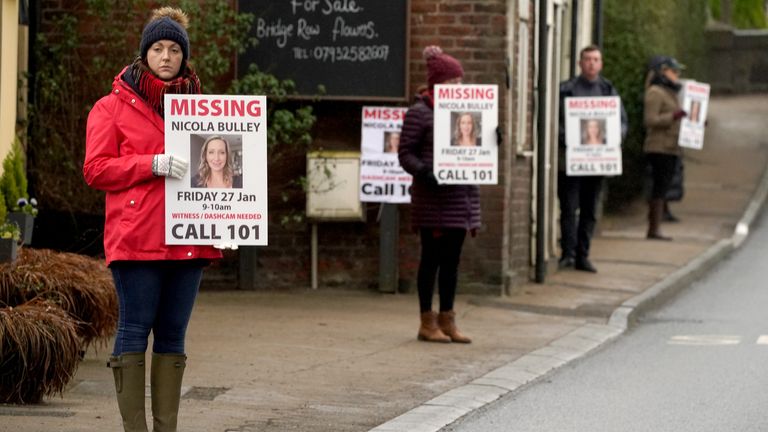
<point>169,166</point>
<point>226,246</point>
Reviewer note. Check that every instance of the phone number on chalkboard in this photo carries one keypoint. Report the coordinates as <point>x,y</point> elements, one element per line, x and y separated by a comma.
<point>334,54</point>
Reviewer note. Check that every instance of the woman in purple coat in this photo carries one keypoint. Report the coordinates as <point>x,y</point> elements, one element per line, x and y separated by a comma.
<point>442,214</point>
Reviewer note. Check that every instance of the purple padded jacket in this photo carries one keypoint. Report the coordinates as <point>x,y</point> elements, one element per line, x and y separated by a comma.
<point>444,206</point>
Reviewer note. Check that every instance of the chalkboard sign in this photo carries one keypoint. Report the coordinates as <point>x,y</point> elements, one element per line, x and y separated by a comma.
<point>356,49</point>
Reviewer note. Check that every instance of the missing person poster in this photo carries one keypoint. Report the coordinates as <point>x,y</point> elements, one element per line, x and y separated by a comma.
<point>694,100</point>
<point>382,179</point>
<point>222,199</point>
<point>593,136</point>
<point>466,150</point>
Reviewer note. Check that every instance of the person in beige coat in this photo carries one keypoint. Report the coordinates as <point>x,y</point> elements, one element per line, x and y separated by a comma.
<point>662,114</point>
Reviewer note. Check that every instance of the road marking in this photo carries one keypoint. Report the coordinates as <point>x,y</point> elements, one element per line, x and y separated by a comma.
<point>705,340</point>
<point>762,340</point>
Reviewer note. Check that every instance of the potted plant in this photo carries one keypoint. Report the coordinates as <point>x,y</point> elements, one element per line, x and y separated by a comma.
<point>13,185</point>
<point>10,234</point>
<point>23,215</point>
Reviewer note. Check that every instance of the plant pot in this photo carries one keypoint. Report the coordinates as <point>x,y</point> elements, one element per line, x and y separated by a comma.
<point>26,223</point>
<point>9,250</point>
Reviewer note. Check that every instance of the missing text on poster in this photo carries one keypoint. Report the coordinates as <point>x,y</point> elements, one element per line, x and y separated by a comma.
<point>222,199</point>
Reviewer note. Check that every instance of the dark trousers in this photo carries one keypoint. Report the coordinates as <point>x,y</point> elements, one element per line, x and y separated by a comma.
<point>155,296</point>
<point>578,195</point>
<point>663,168</point>
<point>440,254</point>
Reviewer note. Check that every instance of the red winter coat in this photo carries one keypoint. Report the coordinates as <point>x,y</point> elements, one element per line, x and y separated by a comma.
<point>122,137</point>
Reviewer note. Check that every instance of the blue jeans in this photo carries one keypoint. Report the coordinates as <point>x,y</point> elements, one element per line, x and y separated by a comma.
<point>155,296</point>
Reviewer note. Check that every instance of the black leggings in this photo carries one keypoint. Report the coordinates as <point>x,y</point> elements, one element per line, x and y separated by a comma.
<point>662,170</point>
<point>440,251</point>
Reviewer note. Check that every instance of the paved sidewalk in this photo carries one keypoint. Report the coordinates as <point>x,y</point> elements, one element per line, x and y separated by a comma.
<point>349,361</point>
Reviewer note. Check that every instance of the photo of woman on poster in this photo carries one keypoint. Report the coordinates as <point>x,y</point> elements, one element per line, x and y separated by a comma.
<point>466,129</point>
<point>391,141</point>
<point>215,169</point>
<point>592,131</point>
<point>695,112</point>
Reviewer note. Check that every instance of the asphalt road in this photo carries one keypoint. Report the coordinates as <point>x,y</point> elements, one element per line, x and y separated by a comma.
<point>700,363</point>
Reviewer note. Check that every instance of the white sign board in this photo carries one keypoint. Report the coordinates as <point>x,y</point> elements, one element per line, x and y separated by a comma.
<point>223,196</point>
<point>466,150</point>
<point>333,184</point>
<point>593,136</point>
<point>382,179</point>
<point>695,102</point>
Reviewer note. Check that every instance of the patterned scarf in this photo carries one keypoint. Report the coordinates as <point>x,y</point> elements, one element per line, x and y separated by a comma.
<point>153,89</point>
<point>662,80</point>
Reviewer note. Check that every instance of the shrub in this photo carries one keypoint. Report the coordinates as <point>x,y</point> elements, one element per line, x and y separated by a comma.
<point>635,30</point>
<point>13,182</point>
<point>749,14</point>
<point>52,306</point>
<point>80,285</point>
<point>39,351</point>
<point>745,14</point>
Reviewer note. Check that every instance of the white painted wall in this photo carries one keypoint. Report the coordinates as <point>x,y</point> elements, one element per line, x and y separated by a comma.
<point>9,61</point>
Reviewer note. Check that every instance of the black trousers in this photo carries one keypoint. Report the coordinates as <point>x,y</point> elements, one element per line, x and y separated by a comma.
<point>440,254</point>
<point>663,167</point>
<point>578,196</point>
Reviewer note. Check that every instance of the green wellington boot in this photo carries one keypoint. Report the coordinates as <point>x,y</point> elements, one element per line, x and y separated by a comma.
<point>128,370</point>
<point>166,375</point>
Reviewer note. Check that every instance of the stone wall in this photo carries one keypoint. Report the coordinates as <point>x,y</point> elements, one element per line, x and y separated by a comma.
<point>736,59</point>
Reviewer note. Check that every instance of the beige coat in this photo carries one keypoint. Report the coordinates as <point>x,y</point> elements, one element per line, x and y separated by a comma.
<point>662,130</point>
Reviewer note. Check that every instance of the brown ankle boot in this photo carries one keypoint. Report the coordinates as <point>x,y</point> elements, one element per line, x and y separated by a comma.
<point>429,332</point>
<point>655,214</point>
<point>447,323</point>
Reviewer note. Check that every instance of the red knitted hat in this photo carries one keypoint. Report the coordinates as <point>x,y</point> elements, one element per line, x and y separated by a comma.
<point>440,66</point>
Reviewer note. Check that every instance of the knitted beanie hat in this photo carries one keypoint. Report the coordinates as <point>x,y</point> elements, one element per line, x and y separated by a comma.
<point>166,23</point>
<point>440,66</point>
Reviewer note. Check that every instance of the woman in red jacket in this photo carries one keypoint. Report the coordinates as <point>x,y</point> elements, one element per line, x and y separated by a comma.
<point>156,283</point>
<point>443,214</point>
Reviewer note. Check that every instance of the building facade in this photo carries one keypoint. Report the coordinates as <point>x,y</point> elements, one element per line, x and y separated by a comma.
<point>499,42</point>
<point>13,60</point>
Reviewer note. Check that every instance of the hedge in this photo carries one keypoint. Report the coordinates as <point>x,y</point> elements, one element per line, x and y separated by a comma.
<point>636,30</point>
<point>745,14</point>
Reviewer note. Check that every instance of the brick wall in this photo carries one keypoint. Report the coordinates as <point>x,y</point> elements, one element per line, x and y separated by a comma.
<point>475,32</point>
<point>521,185</point>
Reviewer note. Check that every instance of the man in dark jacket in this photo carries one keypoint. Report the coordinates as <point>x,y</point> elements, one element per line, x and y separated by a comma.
<point>581,193</point>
